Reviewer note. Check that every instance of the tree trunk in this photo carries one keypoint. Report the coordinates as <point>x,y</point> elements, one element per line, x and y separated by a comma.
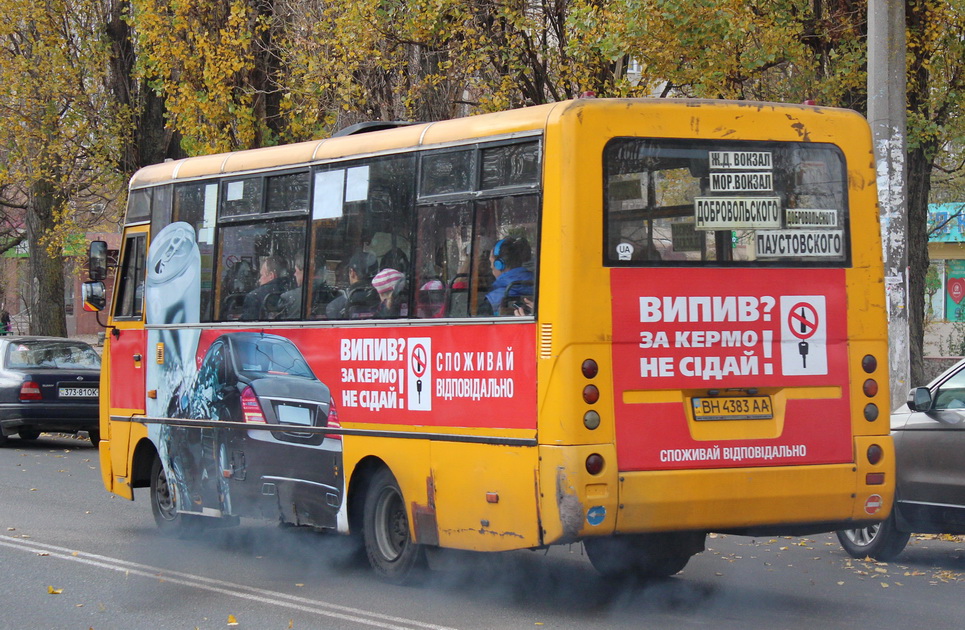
<point>47,315</point>
<point>919,185</point>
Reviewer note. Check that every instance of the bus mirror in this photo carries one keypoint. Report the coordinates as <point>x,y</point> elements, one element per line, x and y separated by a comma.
<point>97,261</point>
<point>94,296</point>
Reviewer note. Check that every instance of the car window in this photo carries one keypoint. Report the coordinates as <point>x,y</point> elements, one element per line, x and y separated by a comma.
<point>951,393</point>
<point>268,356</point>
<point>47,354</point>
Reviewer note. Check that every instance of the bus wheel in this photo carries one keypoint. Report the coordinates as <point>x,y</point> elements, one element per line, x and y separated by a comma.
<point>389,547</point>
<point>164,506</point>
<point>643,556</point>
<point>881,541</point>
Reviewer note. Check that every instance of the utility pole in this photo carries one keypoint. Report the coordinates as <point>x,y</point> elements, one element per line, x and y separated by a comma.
<point>887,116</point>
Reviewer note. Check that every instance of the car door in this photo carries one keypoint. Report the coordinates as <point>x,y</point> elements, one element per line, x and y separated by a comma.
<point>931,469</point>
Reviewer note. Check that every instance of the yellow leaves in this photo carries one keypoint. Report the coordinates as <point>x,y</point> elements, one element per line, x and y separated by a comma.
<point>232,621</point>
<point>54,591</point>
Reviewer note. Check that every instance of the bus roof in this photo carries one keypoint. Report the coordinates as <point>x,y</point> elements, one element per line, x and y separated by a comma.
<point>507,123</point>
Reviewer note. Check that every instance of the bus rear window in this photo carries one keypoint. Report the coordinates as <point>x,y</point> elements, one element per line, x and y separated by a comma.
<point>698,202</point>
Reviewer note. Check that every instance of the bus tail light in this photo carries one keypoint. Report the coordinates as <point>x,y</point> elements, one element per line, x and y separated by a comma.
<point>30,391</point>
<point>874,479</point>
<point>875,453</point>
<point>594,464</point>
<point>591,394</point>
<point>333,421</point>
<point>590,368</point>
<point>871,412</point>
<point>870,388</point>
<point>251,407</point>
<point>591,420</point>
<point>869,363</point>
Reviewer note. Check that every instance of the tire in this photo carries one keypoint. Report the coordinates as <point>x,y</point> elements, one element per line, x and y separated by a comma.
<point>95,436</point>
<point>882,541</point>
<point>28,434</point>
<point>643,556</point>
<point>389,547</point>
<point>3,439</point>
<point>164,504</point>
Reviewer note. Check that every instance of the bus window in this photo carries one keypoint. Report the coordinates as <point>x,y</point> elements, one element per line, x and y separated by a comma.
<point>711,202</point>
<point>196,204</point>
<point>506,228</point>
<point>130,303</point>
<point>256,263</point>
<point>287,193</point>
<point>361,218</point>
<point>139,205</point>
<point>443,258</point>
<point>160,209</point>
<point>241,197</point>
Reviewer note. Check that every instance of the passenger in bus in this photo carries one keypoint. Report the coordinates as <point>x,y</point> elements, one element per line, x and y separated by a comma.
<point>513,278</point>
<point>390,285</point>
<point>272,282</point>
<point>290,303</point>
<point>359,300</point>
<point>431,299</point>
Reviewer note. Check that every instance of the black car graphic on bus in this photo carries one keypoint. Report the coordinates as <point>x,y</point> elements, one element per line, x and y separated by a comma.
<point>282,464</point>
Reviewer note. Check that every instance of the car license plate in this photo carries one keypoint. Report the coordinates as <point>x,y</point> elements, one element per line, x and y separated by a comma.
<point>733,408</point>
<point>78,392</point>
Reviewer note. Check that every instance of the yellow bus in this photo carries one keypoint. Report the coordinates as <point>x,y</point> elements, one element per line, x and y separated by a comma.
<point>625,322</point>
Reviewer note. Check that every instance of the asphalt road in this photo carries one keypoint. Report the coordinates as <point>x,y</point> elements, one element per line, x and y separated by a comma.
<point>74,557</point>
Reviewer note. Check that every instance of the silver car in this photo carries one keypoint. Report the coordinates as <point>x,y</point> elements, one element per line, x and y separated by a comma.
<point>929,435</point>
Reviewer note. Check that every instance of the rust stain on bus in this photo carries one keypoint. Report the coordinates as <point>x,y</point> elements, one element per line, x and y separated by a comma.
<point>571,510</point>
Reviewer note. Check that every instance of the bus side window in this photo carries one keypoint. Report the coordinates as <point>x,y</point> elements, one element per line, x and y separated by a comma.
<point>130,304</point>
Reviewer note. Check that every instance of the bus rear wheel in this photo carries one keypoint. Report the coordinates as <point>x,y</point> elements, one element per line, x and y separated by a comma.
<point>881,541</point>
<point>164,506</point>
<point>389,547</point>
<point>645,556</point>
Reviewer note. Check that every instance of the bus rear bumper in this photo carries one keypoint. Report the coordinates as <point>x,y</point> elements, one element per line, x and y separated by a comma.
<point>759,501</point>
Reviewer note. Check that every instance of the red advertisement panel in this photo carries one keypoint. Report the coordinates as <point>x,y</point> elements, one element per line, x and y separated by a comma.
<point>453,376</point>
<point>722,336</point>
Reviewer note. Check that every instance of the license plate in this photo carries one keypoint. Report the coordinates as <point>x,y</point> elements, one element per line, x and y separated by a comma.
<point>733,408</point>
<point>78,392</point>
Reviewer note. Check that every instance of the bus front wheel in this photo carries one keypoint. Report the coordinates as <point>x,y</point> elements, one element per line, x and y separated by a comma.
<point>642,555</point>
<point>164,505</point>
<point>389,547</point>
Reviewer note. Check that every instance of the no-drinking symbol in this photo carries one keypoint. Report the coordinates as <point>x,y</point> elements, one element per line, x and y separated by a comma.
<point>802,320</point>
<point>418,362</point>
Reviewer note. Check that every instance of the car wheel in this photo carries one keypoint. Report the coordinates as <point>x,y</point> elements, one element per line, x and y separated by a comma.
<point>643,556</point>
<point>95,436</point>
<point>28,434</point>
<point>882,541</point>
<point>389,547</point>
<point>164,505</point>
<point>3,439</point>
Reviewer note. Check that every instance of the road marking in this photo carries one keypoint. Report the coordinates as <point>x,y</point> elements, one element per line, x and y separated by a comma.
<point>222,587</point>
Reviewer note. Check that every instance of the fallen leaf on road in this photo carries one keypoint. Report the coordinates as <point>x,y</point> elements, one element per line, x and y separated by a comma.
<point>54,591</point>
<point>232,621</point>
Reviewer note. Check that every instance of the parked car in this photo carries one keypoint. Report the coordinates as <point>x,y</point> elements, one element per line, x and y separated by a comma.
<point>929,435</point>
<point>48,384</point>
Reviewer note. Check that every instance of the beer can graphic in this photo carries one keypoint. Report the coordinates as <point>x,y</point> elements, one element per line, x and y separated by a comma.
<point>174,276</point>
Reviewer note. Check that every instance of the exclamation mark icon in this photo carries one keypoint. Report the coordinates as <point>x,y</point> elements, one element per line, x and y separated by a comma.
<point>768,336</point>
